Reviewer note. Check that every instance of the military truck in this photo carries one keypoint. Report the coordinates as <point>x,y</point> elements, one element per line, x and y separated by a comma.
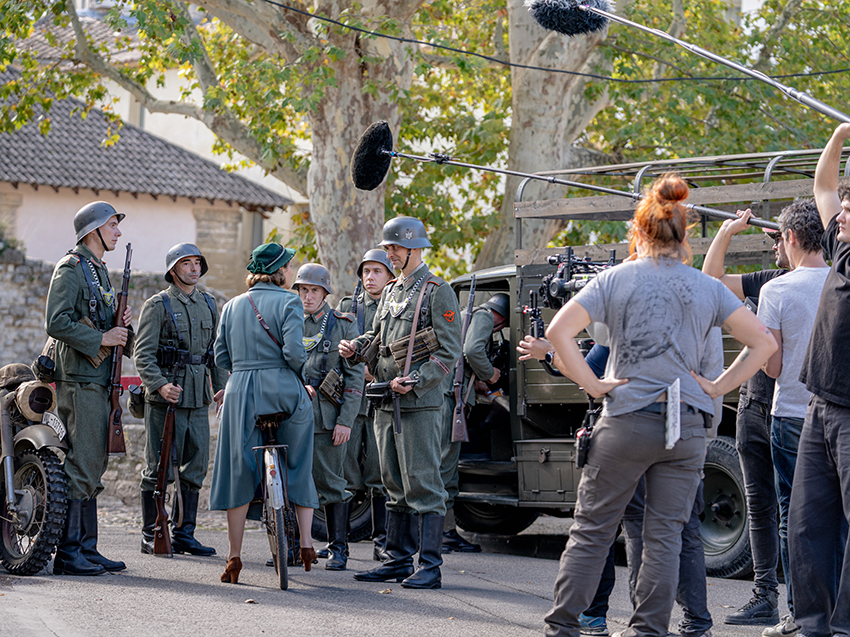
<point>520,461</point>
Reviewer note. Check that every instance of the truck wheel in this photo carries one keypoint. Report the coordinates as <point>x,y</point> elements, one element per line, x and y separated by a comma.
<point>725,529</point>
<point>360,519</point>
<point>493,518</point>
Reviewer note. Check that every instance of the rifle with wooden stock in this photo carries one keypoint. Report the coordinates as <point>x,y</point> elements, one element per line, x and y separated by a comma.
<point>115,436</point>
<point>459,430</point>
<point>161,534</point>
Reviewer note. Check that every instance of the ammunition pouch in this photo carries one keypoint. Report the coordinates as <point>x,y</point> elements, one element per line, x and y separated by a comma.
<point>169,356</point>
<point>424,344</point>
<point>136,401</point>
<point>370,354</point>
<point>103,353</point>
<point>332,387</point>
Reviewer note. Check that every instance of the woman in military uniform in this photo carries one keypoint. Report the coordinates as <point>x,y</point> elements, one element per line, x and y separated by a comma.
<point>266,362</point>
<point>336,387</point>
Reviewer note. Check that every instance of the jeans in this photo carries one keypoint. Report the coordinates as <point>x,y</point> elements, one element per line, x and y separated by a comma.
<point>817,522</point>
<point>784,440</point>
<point>753,444</point>
<point>691,591</point>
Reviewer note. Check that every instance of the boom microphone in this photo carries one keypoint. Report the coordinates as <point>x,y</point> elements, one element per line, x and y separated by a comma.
<point>370,163</point>
<point>569,17</point>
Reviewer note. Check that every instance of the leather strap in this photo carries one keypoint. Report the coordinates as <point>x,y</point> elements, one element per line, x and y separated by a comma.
<point>262,321</point>
<point>415,325</point>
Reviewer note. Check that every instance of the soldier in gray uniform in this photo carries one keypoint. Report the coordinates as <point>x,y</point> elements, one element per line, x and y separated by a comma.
<point>80,314</point>
<point>410,449</point>
<point>487,319</point>
<point>176,332</point>
<point>336,388</point>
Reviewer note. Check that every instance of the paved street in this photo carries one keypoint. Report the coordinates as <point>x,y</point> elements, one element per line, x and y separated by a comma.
<point>499,594</point>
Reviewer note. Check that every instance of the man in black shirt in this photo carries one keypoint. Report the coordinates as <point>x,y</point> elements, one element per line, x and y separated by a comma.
<point>820,498</point>
<point>753,438</point>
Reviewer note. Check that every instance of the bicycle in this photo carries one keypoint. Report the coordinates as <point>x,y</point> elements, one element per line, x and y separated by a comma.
<point>278,515</point>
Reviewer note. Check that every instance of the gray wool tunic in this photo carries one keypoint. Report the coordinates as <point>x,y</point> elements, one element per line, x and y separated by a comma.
<point>264,379</point>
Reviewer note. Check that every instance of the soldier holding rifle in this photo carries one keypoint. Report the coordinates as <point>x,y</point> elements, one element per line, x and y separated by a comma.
<point>80,315</point>
<point>418,313</point>
<point>177,328</point>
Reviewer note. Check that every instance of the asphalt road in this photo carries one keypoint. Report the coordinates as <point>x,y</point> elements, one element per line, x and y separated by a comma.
<point>491,593</point>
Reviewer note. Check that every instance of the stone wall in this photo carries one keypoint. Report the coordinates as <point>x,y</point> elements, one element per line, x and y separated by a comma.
<point>23,293</point>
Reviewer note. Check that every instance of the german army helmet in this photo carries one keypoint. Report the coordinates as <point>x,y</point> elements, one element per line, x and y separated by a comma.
<point>181,251</point>
<point>500,303</point>
<point>378,256</point>
<point>407,232</point>
<point>92,216</point>
<point>314,274</point>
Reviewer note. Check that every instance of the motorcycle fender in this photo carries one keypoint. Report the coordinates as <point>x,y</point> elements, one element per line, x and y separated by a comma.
<point>38,437</point>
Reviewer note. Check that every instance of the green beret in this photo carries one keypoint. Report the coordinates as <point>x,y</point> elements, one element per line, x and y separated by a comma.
<point>269,258</point>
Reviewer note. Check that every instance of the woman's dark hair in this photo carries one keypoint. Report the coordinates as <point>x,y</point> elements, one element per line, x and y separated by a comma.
<point>844,189</point>
<point>661,220</point>
<point>803,219</point>
<point>275,279</point>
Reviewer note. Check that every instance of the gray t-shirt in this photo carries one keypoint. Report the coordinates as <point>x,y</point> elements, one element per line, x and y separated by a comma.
<point>659,315</point>
<point>789,304</point>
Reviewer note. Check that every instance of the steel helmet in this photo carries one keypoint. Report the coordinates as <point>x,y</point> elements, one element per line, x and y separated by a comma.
<point>407,232</point>
<point>181,251</point>
<point>314,274</point>
<point>378,256</point>
<point>92,216</point>
<point>499,302</point>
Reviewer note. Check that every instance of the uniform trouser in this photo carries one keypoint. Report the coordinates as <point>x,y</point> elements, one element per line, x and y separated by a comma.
<point>623,449</point>
<point>784,440</point>
<point>410,461</point>
<point>191,442</point>
<point>753,444</point>
<point>450,454</point>
<point>817,522</point>
<point>85,411</point>
<point>328,463</point>
<point>362,468</point>
<point>691,592</point>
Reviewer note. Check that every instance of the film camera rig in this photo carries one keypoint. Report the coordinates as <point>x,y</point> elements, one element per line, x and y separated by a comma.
<point>571,276</point>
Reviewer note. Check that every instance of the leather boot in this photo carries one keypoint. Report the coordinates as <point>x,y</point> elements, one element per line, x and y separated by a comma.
<point>336,515</point>
<point>430,554</point>
<point>149,514</point>
<point>401,545</point>
<point>379,528</point>
<point>183,536</point>
<point>89,538</point>
<point>69,558</point>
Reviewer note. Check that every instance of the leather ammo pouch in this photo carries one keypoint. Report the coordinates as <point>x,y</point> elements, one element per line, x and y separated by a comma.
<point>136,401</point>
<point>332,387</point>
<point>424,344</point>
<point>370,354</point>
<point>103,353</point>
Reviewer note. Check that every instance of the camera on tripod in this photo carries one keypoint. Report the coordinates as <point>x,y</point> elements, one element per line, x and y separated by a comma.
<point>571,276</point>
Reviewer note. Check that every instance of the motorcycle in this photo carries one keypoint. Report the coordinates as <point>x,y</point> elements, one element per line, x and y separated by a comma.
<point>34,487</point>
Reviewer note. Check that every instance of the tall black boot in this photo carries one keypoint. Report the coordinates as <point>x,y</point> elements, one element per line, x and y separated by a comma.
<point>89,538</point>
<point>69,558</point>
<point>430,555</point>
<point>149,514</point>
<point>401,545</point>
<point>452,541</point>
<point>336,515</point>
<point>379,528</point>
<point>183,536</point>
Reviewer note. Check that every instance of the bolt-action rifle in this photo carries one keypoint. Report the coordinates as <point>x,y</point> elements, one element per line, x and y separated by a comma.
<point>161,534</point>
<point>115,438</point>
<point>459,429</point>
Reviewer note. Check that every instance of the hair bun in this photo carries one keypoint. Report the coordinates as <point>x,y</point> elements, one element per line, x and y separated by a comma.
<point>670,188</point>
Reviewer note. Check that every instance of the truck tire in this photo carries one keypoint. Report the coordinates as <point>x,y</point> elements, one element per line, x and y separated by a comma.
<point>725,529</point>
<point>478,517</point>
<point>360,519</point>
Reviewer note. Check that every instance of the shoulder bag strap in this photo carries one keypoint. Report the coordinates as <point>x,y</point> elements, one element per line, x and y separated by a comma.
<point>409,358</point>
<point>262,321</point>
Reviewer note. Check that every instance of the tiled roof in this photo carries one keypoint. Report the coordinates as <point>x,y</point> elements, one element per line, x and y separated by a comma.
<point>71,156</point>
<point>99,32</point>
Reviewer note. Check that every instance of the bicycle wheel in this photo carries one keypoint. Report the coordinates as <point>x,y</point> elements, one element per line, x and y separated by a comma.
<point>280,549</point>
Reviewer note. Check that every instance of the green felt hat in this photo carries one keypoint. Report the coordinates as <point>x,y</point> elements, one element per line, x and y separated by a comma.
<point>269,258</point>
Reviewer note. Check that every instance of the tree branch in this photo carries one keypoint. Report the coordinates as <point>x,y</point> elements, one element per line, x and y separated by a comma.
<point>786,15</point>
<point>660,61</point>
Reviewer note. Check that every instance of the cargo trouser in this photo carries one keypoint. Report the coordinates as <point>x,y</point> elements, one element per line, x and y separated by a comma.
<point>85,411</point>
<point>410,461</point>
<point>328,465</point>
<point>624,448</point>
<point>362,466</point>
<point>191,442</point>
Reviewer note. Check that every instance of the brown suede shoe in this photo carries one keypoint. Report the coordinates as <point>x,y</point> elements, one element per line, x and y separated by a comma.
<point>308,556</point>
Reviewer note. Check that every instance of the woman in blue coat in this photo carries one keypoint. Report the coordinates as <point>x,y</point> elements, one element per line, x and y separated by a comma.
<point>265,379</point>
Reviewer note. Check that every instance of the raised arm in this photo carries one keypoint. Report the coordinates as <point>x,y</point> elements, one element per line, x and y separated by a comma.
<point>826,175</point>
<point>713,265</point>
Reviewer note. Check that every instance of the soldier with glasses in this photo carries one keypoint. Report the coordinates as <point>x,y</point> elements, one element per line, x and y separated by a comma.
<point>420,307</point>
<point>177,327</point>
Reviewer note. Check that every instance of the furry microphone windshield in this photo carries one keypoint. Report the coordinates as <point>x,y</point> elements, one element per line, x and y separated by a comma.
<point>567,16</point>
<point>371,159</point>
